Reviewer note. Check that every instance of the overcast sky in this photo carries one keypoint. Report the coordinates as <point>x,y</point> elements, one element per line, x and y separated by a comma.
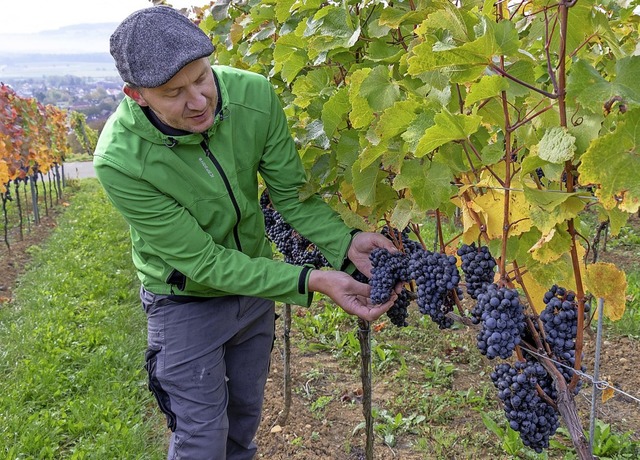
<point>29,16</point>
<point>33,26</point>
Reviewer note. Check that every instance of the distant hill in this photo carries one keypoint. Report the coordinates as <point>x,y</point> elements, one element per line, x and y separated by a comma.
<point>80,50</point>
<point>80,38</point>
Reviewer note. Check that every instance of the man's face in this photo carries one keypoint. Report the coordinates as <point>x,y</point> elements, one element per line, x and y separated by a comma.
<point>185,102</point>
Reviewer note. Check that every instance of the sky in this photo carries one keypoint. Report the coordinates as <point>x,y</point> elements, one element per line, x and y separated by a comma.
<point>40,15</point>
<point>36,29</point>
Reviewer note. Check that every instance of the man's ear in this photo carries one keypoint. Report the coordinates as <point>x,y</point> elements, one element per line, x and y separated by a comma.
<point>134,94</point>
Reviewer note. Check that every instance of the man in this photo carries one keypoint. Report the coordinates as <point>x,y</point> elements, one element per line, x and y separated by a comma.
<point>180,159</point>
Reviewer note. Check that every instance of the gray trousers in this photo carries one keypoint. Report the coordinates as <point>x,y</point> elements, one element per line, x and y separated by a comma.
<point>208,361</point>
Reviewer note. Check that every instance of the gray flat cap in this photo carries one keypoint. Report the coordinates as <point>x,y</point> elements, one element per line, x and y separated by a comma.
<point>151,45</point>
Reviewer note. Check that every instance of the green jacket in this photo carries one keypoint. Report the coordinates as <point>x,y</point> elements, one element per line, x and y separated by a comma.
<point>192,201</point>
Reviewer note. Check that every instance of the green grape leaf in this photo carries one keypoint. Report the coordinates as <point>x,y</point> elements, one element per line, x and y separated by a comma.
<point>349,217</point>
<point>361,114</point>
<point>523,70</point>
<point>617,220</point>
<point>347,148</point>
<point>560,271</point>
<point>305,5</point>
<point>415,175</point>
<point>396,119</point>
<point>492,153</point>
<point>551,246</point>
<point>394,17</point>
<point>371,153</point>
<point>545,219</point>
<point>380,50</point>
<point>546,199</point>
<point>283,9</point>
<point>488,86</point>
<point>365,181</point>
<point>308,88</point>
<point>462,63</point>
<point>378,89</point>
<point>628,78</point>
<point>416,129</point>
<point>289,56</point>
<point>506,39</point>
<point>335,110</point>
<point>469,60</point>
<point>591,89</point>
<point>448,127</point>
<point>586,130</point>
<point>402,213</point>
<point>330,28</point>
<point>557,145</point>
<point>447,17</point>
<point>315,134</point>
<point>612,163</point>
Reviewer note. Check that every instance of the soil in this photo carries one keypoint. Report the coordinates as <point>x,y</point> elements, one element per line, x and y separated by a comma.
<point>329,433</point>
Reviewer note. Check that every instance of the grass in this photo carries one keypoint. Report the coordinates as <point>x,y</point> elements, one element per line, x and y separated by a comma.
<point>74,387</point>
<point>73,384</point>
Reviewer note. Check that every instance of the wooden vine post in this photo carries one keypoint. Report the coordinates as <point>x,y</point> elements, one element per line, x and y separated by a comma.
<point>286,366</point>
<point>364,337</point>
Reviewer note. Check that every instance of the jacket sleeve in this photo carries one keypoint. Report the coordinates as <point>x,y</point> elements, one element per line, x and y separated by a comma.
<point>166,231</point>
<point>283,173</point>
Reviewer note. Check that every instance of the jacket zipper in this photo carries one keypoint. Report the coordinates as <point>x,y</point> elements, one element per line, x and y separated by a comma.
<point>225,179</point>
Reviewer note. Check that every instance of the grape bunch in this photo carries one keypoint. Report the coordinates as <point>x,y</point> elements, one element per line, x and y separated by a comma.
<point>502,319</point>
<point>477,267</point>
<point>387,269</point>
<point>399,311</point>
<point>295,248</point>
<point>527,412</point>
<point>436,276</point>
<point>560,322</point>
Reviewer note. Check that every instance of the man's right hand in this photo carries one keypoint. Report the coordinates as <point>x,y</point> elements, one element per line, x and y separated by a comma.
<point>351,295</point>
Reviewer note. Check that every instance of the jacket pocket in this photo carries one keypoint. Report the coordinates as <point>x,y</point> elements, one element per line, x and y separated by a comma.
<point>162,397</point>
<point>177,279</point>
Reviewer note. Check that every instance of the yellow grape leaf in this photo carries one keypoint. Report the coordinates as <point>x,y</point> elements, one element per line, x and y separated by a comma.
<point>535,292</point>
<point>491,207</point>
<point>4,176</point>
<point>470,229</point>
<point>608,392</point>
<point>609,282</point>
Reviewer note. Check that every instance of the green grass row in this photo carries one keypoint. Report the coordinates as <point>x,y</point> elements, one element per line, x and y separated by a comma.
<point>73,384</point>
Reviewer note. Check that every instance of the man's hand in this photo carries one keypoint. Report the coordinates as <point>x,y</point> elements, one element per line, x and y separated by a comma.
<point>362,245</point>
<point>351,295</point>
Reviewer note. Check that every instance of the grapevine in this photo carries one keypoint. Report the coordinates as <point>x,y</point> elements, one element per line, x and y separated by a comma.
<point>295,248</point>
<point>511,144</point>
